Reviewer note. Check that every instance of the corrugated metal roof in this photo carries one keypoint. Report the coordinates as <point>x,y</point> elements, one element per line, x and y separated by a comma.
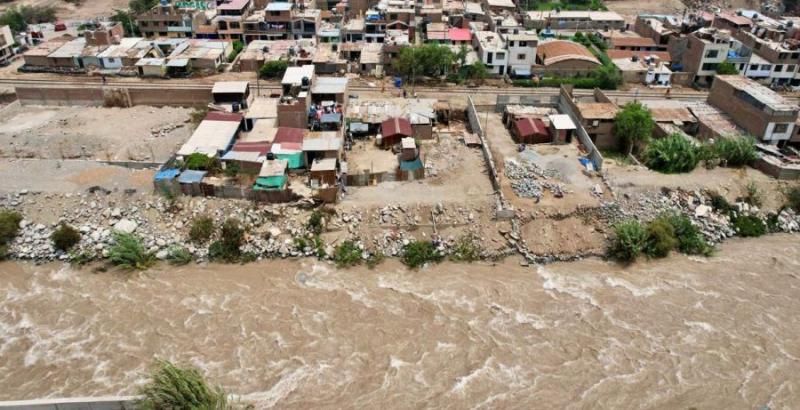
<point>325,164</point>
<point>289,135</point>
<point>273,167</point>
<point>210,137</point>
<point>562,122</point>
<point>396,126</point>
<point>531,126</point>
<point>230,87</point>
<point>329,85</point>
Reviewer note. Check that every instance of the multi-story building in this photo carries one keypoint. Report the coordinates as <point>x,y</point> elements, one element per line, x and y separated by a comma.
<point>230,19</point>
<point>705,50</point>
<point>772,59</point>
<point>574,20</point>
<point>765,114</point>
<point>492,51</point>
<point>521,52</point>
<point>6,44</point>
<point>305,23</point>
<point>168,20</point>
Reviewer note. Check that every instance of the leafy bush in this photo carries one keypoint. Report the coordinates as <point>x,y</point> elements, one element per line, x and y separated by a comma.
<point>630,239</point>
<point>347,254</point>
<point>719,203</point>
<point>202,229</point>
<point>273,69</point>
<point>238,46</point>
<point>418,253</point>
<point>65,237</point>
<point>128,252</point>
<point>749,226</point>
<point>9,225</point>
<point>172,387</point>
<point>319,247</point>
<point>690,240</point>
<point>793,198</point>
<point>633,124</point>
<point>228,247</point>
<point>660,238</point>
<point>736,151</point>
<point>201,162</point>
<point>178,255</point>
<point>232,169</point>
<point>466,249</point>
<point>670,155</point>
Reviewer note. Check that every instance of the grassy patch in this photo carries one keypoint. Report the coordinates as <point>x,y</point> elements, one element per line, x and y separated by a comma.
<point>749,226</point>
<point>418,253</point>
<point>128,252</point>
<point>178,255</point>
<point>201,230</point>
<point>347,254</point>
<point>173,387</point>
<point>467,249</point>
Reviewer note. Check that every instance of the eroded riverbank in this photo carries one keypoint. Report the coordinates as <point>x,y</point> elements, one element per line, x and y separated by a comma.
<point>681,332</point>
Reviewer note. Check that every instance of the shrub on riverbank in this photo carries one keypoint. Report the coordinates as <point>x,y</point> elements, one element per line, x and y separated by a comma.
<point>347,254</point>
<point>228,247</point>
<point>749,226</point>
<point>128,252</point>
<point>202,229</point>
<point>660,238</point>
<point>173,387</point>
<point>178,255</point>
<point>690,239</point>
<point>9,228</point>
<point>466,249</point>
<point>793,198</point>
<point>630,239</point>
<point>736,151</point>
<point>65,237</point>
<point>418,253</point>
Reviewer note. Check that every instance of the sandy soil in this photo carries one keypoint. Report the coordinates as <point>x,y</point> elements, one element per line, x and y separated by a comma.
<point>119,134</point>
<point>69,176</point>
<point>86,9</point>
<point>634,7</point>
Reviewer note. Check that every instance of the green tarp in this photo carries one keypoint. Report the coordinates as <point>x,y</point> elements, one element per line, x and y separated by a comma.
<point>270,183</point>
<point>296,159</point>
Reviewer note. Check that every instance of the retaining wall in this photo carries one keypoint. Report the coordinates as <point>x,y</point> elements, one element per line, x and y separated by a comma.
<point>503,211</point>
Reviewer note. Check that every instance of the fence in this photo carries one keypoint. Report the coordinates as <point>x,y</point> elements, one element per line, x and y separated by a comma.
<point>537,100</point>
<point>75,403</point>
<point>594,154</point>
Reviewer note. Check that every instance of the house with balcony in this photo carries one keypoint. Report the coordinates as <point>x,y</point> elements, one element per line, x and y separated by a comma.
<point>170,20</point>
<point>492,51</point>
<point>230,19</point>
<point>521,52</point>
<point>705,50</point>
<point>773,59</point>
<point>305,23</point>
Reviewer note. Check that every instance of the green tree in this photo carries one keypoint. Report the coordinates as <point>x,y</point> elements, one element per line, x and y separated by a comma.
<point>128,21</point>
<point>633,124</point>
<point>477,72</point>
<point>671,154</point>
<point>608,77</point>
<point>273,69</point>
<point>461,56</point>
<point>18,17</point>
<point>727,68</point>
<point>141,6</point>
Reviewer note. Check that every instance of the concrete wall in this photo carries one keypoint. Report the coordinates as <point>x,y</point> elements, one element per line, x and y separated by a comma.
<point>113,96</point>
<point>594,154</point>
<point>504,211</point>
<point>77,403</point>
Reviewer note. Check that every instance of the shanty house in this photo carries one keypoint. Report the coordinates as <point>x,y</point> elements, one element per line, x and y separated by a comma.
<point>529,130</point>
<point>272,176</point>
<point>323,172</point>
<point>211,138</point>
<point>231,92</point>
<point>394,130</point>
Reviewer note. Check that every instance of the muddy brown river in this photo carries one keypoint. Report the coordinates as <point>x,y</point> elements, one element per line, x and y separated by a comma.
<point>718,333</point>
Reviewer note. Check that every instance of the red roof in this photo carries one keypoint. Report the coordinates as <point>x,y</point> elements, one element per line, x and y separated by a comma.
<point>223,116</point>
<point>262,147</point>
<point>531,126</point>
<point>460,34</point>
<point>396,126</point>
<point>290,135</point>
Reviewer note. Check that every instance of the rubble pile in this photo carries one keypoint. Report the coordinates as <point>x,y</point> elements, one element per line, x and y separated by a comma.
<point>164,131</point>
<point>530,180</point>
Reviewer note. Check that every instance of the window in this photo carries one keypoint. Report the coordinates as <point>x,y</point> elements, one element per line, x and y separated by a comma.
<point>780,128</point>
<point>521,56</point>
<point>501,56</point>
<point>778,68</point>
<point>523,43</point>
<point>790,68</point>
<point>274,13</point>
<point>223,25</point>
<point>234,24</point>
<point>709,66</point>
<point>143,23</point>
<point>712,53</point>
<point>765,67</point>
<point>754,66</point>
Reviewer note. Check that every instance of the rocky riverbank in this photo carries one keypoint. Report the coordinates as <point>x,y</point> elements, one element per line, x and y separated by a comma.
<point>282,230</point>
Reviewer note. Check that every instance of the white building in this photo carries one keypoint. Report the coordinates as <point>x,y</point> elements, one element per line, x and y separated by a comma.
<point>492,51</point>
<point>521,52</point>
<point>6,44</point>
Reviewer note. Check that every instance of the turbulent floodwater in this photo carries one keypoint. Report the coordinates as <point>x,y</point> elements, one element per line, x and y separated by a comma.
<point>678,333</point>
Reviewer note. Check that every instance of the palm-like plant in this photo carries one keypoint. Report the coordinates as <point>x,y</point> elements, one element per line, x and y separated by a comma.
<point>129,253</point>
<point>173,387</point>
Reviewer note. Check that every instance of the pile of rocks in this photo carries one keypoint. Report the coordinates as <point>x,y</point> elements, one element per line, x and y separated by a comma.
<point>525,180</point>
<point>164,130</point>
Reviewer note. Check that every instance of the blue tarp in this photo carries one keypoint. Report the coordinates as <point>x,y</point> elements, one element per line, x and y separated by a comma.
<point>168,173</point>
<point>359,127</point>
<point>331,118</point>
<point>522,72</point>
<point>190,176</point>
<point>412,165</point>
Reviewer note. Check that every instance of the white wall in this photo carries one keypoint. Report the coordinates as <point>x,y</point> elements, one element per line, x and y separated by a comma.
<point>771,136</point>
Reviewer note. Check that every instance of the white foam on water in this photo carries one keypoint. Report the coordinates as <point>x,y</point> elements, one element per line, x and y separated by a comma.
<point>700,325</point>
<point>634,290</point>
<point>570,286</point>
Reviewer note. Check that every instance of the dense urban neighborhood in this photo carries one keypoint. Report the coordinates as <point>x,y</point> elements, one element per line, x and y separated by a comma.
<point>532,152</point>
